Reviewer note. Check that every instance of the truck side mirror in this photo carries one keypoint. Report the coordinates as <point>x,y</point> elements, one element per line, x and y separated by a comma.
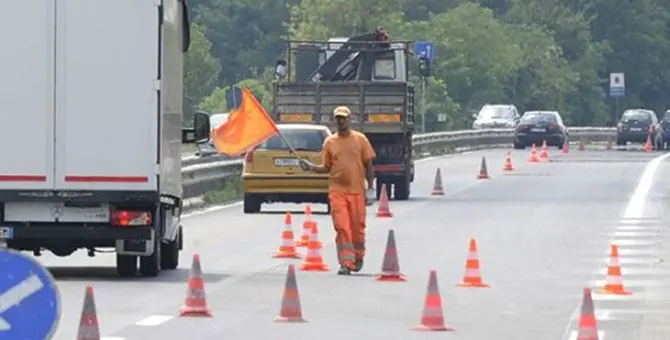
<point>200,131</point>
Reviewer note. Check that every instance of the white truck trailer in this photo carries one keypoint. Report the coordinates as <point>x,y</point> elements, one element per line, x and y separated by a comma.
<point>91,128</point>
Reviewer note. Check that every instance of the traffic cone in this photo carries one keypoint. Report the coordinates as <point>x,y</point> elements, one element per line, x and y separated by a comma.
<point>196,303</point>
<point>472,277</point>
<point>544,154</point>
<point>508,163</point>
<point>437,185</point>
<point>290,310</point>
<point>432,317</point>
<point>287,247</point>
<point>89,329</point>
<point>614,279</point>
<point>306,228</point>
<point>533,155</point>
<point>390,265</point>
<point>566,147</point>
<point>588,329</point>
<point>647,146</point>
<point>383,210</point>
<point>581,145</point>
<point>608,146</point>
<point>483,170</point>
<point>314,261</point>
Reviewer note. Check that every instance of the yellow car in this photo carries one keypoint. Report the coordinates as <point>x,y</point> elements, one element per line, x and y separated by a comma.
<point>272,174</point>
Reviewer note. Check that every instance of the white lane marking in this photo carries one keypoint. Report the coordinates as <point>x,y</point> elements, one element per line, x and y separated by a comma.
<point>627,271</point>
<point>154,320</point>
<point>634,251</point>
<point>635,234</point>
<point>211,209</point>
<point>638,228</point>
<point>632,242</point>
<point>634,260</point>
<point>629,284</point>
<point>597,296</point>
<point>111,338</point>
<point>573,335</point>
<point>634,209</point>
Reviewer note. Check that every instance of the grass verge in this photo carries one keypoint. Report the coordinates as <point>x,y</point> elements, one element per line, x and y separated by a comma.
<point>232,191</point>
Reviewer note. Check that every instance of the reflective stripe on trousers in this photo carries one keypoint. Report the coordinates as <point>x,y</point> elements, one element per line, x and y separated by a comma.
<point>348,213</point>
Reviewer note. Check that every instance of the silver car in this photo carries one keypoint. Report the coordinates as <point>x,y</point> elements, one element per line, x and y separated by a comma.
<point>496,117</point>
<point>207,148</point>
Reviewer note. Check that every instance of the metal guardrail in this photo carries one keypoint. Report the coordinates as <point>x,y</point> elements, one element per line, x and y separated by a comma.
<point>203,174</point>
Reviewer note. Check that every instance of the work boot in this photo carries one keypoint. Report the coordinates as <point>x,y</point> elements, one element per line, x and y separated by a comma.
<point>358,266</point>
<point>344,270</point>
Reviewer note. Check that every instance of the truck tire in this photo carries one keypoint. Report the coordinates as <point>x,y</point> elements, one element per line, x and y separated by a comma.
<point>126,265</point>
<point>170,255</point>
<point>252,204</point>
<point>401,190</point>
<point>150,266</point>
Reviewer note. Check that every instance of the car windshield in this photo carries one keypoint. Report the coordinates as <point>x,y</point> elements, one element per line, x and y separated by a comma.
<point>493,112</point>
<point>538,117</point>
<point>300,139</point>
<point>635,116</point>
<point>217,119</point>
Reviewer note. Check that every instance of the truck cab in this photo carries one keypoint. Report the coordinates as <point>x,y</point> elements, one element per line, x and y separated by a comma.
<point>369,74</point>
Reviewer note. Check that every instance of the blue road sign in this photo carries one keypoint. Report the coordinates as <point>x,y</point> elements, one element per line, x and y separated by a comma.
<point>234,97</point>
<point>616,92</point>
<point>29,298</point>
<point>424,48</point>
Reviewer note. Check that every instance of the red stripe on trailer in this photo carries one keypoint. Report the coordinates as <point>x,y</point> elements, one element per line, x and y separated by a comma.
<point>107,179</point>
<point>23,178</point>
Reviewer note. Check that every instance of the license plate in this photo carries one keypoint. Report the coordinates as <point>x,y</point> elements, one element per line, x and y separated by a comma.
<point>636,129</point>
<point>6,233</point>
<point>286,162</point>
<point>538,130</point>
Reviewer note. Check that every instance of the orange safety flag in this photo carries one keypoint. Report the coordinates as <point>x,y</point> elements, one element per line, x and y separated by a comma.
<point>246,127</point>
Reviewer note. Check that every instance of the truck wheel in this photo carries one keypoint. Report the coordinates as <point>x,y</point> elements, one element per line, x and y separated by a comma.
<point>402,190</point>
<point>126,265</point>
<point>150,266</point>
<point>170,255</point>
<point>252,204</point>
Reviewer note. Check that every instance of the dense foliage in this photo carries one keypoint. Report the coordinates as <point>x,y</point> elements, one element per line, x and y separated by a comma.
<point>536,54</point>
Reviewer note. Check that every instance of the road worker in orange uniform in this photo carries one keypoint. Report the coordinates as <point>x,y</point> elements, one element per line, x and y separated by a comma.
<point>347,158</point>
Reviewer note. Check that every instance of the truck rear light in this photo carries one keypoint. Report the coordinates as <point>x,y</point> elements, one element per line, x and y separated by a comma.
<point>130,218</point>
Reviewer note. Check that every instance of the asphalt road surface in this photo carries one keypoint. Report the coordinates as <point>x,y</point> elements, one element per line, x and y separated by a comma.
<point>543,231</point>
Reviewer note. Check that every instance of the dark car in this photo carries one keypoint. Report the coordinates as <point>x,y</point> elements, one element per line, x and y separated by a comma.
<point>538,126</point>
<point>664,129</point>
<point>636,125</point>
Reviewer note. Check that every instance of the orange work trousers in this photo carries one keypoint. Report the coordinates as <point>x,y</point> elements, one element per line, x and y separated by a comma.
<point>348,212</point>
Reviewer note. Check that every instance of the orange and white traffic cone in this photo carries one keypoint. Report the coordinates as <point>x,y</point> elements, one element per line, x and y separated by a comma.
<point>390,265</point>
<point>566,147</point>
<point>544,154</point>
<point>306,228</point>
<point>483,170</point>
<point>473,276</point>
<point>647,146</point>
<point>290,310</point>
<point>287,248</point>
<point>533,155</point>
<point>438,190</point>
<point>432,317</point>
<point>314,261</point>
<point>508,163</point>
<point>196,303</point>
<point>89,328</point>
<point>588,329</point>
<point>614,279</point>
<point>383,210</point>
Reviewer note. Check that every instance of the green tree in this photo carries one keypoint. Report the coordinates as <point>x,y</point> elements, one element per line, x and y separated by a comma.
<point>201,69</point>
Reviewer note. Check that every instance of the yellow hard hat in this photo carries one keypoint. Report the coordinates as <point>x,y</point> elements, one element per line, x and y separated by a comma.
<point>341,111</point>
